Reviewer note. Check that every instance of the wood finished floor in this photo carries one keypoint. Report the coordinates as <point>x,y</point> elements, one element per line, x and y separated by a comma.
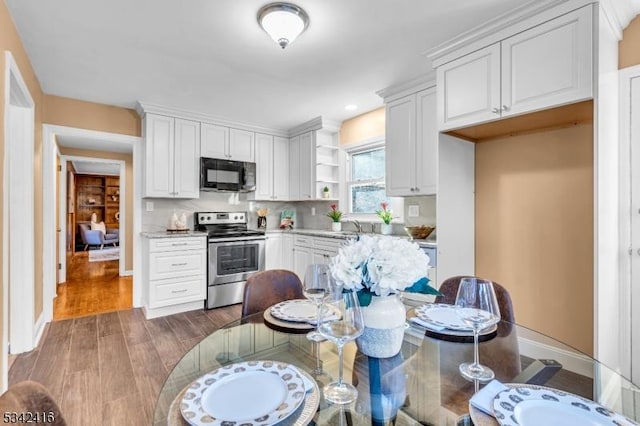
<point>108,369</point>
<point>91,288</point>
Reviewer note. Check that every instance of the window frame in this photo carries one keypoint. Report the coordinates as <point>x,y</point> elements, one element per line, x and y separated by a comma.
<point>395,203</point>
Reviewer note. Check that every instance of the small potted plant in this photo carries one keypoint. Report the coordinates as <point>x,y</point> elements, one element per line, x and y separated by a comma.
<point>335,215</point>
<point>386,215</point>
<point>325,192</point>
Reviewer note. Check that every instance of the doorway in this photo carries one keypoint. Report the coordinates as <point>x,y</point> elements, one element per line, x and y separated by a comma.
<point>20,327</point>
<point>91,239</point>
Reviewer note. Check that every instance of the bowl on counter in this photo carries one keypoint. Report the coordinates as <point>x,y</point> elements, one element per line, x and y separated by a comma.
<point>419,232</point>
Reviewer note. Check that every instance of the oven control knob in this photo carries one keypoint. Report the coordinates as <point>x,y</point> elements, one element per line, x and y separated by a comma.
<point>208,217</point>
<point>235,217</point>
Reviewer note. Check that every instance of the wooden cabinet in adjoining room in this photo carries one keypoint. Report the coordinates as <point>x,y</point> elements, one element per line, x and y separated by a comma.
<point>99,194</point>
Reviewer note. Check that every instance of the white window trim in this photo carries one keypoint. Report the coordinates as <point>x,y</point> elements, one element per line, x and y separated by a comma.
<point>396,203</point>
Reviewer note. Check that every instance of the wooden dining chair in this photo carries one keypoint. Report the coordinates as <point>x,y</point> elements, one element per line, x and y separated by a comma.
<point>267,288</point>
<point>31,399</point>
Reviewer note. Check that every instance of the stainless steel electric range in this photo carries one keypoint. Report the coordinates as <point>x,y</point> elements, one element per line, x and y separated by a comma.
<point>235,253</point>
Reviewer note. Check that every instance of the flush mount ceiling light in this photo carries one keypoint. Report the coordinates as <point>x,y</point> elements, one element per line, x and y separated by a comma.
<point>284,22</point>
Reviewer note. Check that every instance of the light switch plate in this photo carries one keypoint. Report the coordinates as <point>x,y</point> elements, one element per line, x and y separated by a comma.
<point>313,211</point>
<point>414,210</point>
<point>149,206</point>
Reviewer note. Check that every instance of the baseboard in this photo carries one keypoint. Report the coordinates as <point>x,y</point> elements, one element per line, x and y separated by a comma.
<point>577,363</point>
<point>128,273</point>
<point>151,313</point>
<point>38,330</point>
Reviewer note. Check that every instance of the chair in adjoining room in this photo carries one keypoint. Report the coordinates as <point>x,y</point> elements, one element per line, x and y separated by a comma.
<point>31,398</point>
<point>267,288</point>
<point>97,237</point>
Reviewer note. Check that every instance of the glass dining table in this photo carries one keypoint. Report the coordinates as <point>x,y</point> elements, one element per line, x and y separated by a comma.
<point>419,386</point>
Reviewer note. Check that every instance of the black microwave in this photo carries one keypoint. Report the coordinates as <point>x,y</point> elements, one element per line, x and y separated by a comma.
<point>226,175</point>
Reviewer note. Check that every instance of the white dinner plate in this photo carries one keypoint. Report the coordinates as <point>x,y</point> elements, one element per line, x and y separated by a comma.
<point>297,310</point>
<point>248,393</point>
<point>527,405</point>
<point>442,315</point>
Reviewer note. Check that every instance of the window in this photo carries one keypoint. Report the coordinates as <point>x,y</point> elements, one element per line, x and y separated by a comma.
<point>366,183</point>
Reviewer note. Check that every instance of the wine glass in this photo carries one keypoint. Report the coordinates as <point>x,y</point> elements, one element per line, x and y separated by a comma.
<point>341,328</point>
<point>316,288</point>
<point>477,306</point>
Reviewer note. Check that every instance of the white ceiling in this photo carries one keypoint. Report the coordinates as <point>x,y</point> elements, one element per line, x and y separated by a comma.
<point>93,144</point>
<point>96,168</point>
<point>211,56</point>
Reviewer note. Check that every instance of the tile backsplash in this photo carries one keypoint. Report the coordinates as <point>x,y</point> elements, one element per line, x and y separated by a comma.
<point>158,219</point>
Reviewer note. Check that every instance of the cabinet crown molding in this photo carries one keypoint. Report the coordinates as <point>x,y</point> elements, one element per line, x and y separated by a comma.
<point>145,107</point>
<point>317,123</point>
<point>503,26</point>
<point>409,87</point>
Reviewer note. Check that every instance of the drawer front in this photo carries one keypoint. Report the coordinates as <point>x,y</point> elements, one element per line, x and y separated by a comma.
<point>176,291</point>
<point>302,240</point>
<point>177,264</point>
<point>177,244</point>
<point>328,244</point>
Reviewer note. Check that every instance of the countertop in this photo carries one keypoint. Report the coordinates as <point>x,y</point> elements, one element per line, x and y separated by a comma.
<point>343,235</point>
<point>165,234</point>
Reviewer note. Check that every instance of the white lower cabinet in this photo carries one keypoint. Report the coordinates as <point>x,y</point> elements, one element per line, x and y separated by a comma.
<point>313,250</point>
<point>176,270</point>
<point>273,253</point>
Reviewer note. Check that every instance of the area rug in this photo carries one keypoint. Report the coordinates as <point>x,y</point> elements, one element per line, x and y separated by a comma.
<point>106,254</point>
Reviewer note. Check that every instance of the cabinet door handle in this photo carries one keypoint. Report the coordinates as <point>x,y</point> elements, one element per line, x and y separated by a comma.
<point>179,291</point>
<point>179,264</point>
<point>496,110</point>
<point>505,108</point>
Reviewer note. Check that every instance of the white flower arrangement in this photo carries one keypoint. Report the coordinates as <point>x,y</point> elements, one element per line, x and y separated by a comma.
<point>381,266</point>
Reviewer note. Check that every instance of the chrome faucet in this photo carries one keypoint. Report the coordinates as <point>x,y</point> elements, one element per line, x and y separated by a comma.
<point>356,223</point>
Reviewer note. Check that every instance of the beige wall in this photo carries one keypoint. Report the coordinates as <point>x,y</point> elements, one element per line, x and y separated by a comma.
<point>369,125</point>
<point>89,115</point>
<point>534,228</point>
<point>128,202</point>
<point>629,47</point>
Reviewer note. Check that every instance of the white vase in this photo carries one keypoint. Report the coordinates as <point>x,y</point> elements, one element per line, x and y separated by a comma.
<point>384,325</point>
<point>385,229</point>
<point>336,226</point>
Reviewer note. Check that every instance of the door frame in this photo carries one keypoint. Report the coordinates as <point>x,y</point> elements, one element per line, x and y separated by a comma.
<point>62,260</point>
<point>50,240</point>
<point>20,329</point>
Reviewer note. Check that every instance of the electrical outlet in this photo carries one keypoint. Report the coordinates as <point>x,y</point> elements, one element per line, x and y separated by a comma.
<point>414,210</point>
<point>313,211</point>
<point>149,206</point>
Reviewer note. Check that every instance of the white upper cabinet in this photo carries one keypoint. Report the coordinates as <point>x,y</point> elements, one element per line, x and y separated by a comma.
<point>411,145</point>
<point>272,168</point>
<point>469,88</point>
<point>264,167</point>
<point>171,157</point>
<point>280,168</point>
<point>307,165</point>
<point>227,144</point>
<point>241,145</point>
<point>215,140</point>
<point>545,66</point>
<point>186,181</point>
<point>302,167</point>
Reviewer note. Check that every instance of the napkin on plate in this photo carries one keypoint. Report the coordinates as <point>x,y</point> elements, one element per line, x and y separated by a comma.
<point>426,324</point>
<point>308,384</point>
<point>483,399</point>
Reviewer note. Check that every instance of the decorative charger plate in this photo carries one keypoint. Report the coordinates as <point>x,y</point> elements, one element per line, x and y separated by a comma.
<point>248,393</point>
<point>286,326</point>
<point>296,310</point>
<point>529,405</point>
<point>442,315</point>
